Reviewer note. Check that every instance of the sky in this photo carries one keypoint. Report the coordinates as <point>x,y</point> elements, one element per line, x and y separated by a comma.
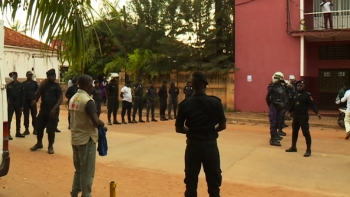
<point>21,16</point>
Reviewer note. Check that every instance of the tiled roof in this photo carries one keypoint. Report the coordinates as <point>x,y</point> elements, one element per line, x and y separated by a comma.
<point>14,38</point>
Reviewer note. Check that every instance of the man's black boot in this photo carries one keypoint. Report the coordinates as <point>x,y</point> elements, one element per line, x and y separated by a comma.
<point>278,137</point>
<point>19,134</point>
<point>38,145</point>
<point>50,150</point>
<point>291,149</point>
<point>307,153</point>
<point>116,122</point>
<point>281,133</point>
<point>274,141</point>
<point>26,132</point>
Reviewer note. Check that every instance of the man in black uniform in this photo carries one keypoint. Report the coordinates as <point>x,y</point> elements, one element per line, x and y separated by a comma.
<point>51,99</point>
<point>188,90</point>
<point>163,95</point>
<point>15,100</point>
<point>30,87</point>
<point>70,93</point>
<point>201,113</point>
<point>300,105</point>
<point>151,97</point>
<point>112,92</point>
<point>138,105</point>
<point>173,93</point>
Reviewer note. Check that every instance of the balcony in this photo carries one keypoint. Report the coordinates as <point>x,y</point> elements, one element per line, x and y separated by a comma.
<point>317,21</point>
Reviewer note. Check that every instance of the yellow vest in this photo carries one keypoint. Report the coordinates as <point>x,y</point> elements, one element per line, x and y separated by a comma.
<point>81,127</point>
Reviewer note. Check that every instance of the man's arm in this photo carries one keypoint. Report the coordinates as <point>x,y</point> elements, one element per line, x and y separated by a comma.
<point>180,121</point>
<point>91,111</point>
<point>331,3</point>
<point>107,90</point>
<point>322,4</point>
<point>121,93</point>
<point>268,95</point>
<point>68,92</point>
<point>23,99</point>
<point>178,91</point>
<point>346,97</point>
<point>221,119</point>
<point>311,102</point>
<point>60,98</point>
<point>38,92</point>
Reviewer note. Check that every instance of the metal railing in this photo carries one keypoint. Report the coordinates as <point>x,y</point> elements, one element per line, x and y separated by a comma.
<point>320,21</point>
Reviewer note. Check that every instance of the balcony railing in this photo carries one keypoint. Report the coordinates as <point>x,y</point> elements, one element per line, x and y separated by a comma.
<point>317,21</point>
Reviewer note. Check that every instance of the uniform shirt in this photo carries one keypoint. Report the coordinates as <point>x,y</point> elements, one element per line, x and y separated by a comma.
<point>301,103</point>
<point>346,98</point>
<point>200,113</point>
<point>151,93</point>
<point>71,91</point>
<point>188,91</point>
<point>97,94</point>
<point>173,92</point>
<point>30,87</point>
<point>126,94</point>
<point>326,7</point>
<point>139,91</point>
<point>15,92</point>
<point>162,93</point>
<point>50,95</point>
<point>112,89</point>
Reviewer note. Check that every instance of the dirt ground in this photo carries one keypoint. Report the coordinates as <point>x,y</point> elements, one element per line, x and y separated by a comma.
<point>42,175</point>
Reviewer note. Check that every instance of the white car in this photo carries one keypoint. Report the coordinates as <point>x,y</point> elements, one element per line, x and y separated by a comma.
<point>4,138</point>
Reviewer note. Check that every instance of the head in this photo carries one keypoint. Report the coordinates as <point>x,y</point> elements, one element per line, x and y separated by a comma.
<point>75,81</point>
<point>29,75</point>
<point>96,83</point>
<point>51,75</point>
<point>139,79</point>
<point>13,76</point>
<point>199,82</point>
<point>128,83</point>
<point>85,83</point>
<point>172,84</point>
<point>104,78</point>
<point>277,77</point>
<point>292,79</point>
<point>344,86</point>
<point>189,83</point>
<point>114,77</point>
<point>164,83</point>
<point>301,86</point>
<point>151,84</point>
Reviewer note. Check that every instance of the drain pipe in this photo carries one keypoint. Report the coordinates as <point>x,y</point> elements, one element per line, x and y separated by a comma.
<point>302,41</point>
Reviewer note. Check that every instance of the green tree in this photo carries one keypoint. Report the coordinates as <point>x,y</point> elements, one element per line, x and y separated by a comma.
<point>17,26</point>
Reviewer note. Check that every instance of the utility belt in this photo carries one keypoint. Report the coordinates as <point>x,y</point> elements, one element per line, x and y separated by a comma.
<point>190,141</point>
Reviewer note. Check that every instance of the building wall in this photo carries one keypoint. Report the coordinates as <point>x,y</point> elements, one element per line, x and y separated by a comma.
<point>262,48</point>
<point>22,60</point>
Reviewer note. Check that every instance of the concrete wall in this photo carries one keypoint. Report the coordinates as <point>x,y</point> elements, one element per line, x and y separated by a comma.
<point>262,48</point>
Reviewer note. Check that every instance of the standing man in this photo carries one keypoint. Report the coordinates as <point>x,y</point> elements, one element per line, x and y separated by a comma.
<point>70,93</point>
<point>188,90</point>
<point>84,137</point>
<point>197,118</point>
<point>97,96</point>
<point>163,95</point>
<point>173,93</point>
<point>30,87</point>
<point>112,91</point>
<point>276,100</point>
<point>138,105</point>
<point>346,98</point>
<point>151,97</point>
<point>327,14</point>
<point>125,93</point>
<point>104,84</point>
<point>15,100</point>
<point>51,99</point>
<point>300,105</point>
<point>34,75</point>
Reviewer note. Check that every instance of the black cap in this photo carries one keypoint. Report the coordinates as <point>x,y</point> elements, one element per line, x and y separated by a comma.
<point>301,81</point>
<point>29,73</point>
<point>51,72</point>
<point>128,82</point>
<point>12,73</point>
<point>200,76</point>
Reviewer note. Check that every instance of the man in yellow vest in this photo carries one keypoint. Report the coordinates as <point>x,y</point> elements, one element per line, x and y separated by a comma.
<point>84,136</point>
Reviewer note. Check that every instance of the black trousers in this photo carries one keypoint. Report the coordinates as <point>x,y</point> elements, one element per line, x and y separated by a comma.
<point>204,153</point>
<point>303,123</point>
<point>14,107</point>
<point>33,112</point>
<point>113,106</point>
<point>50,123</point>
<point>162,107</point>
<point>126,107</point>
<point>172,105</point>
<point>150,107</point>
<point>138,105</point>
<point>98,107</point>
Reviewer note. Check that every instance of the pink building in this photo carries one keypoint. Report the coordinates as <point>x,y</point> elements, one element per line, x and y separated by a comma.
<point>290,36</point>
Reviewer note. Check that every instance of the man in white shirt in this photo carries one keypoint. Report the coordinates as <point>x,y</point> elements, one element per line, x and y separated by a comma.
<point>346,98</point>
<point>70,83</point>
<point>34,75</point>
<point>327,14</point>
<point>125,94</point>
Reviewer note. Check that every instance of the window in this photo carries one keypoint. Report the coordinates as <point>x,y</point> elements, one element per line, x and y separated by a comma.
<point>337,52</point>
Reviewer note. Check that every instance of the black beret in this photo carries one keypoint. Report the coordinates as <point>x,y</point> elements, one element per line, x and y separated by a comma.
<point>12,73</point>
<point>200,76</point>
<point>51,72</point>
<point>301,81</point>
<point>29,73</point>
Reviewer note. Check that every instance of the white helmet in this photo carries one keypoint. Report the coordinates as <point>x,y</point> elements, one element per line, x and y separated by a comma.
<point>277,76</point>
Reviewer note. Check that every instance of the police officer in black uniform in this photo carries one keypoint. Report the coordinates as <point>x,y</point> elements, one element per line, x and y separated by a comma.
<point>163,95</point>
<point>15,100</point>
<point>300,105</point>
<point>188,90</point>
<point>112,92</point>
<point>151,100</point>
<point>51,99</point>
<point>138,105</point>
<point>70,93</point>
<point>173,94</point>
<point>30,87</point>
<point>200,114</point>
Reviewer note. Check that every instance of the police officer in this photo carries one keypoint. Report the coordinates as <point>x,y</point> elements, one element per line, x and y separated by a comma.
<point>30,87</point>
<point>70,93</point>
<point>173,94</point>
<point>188,90</point>
<point>197,118</point>
<point>97,96</point>
<point>112,92</point>
<point>300,105</point>
<point>163,95</point>
<point>276,100</point>
<point>138,105</point>
<point>51,99</point>
<point>15,100</point>
<point>151,98</point>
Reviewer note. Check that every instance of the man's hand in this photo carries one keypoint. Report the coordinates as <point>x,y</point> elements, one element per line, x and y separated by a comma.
<point>33,102</point>
<point>52,112</point>
<point>102,124</point>
<point>319,116</point>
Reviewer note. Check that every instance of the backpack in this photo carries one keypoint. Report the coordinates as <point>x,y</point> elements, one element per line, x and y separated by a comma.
<point>337,100</point>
